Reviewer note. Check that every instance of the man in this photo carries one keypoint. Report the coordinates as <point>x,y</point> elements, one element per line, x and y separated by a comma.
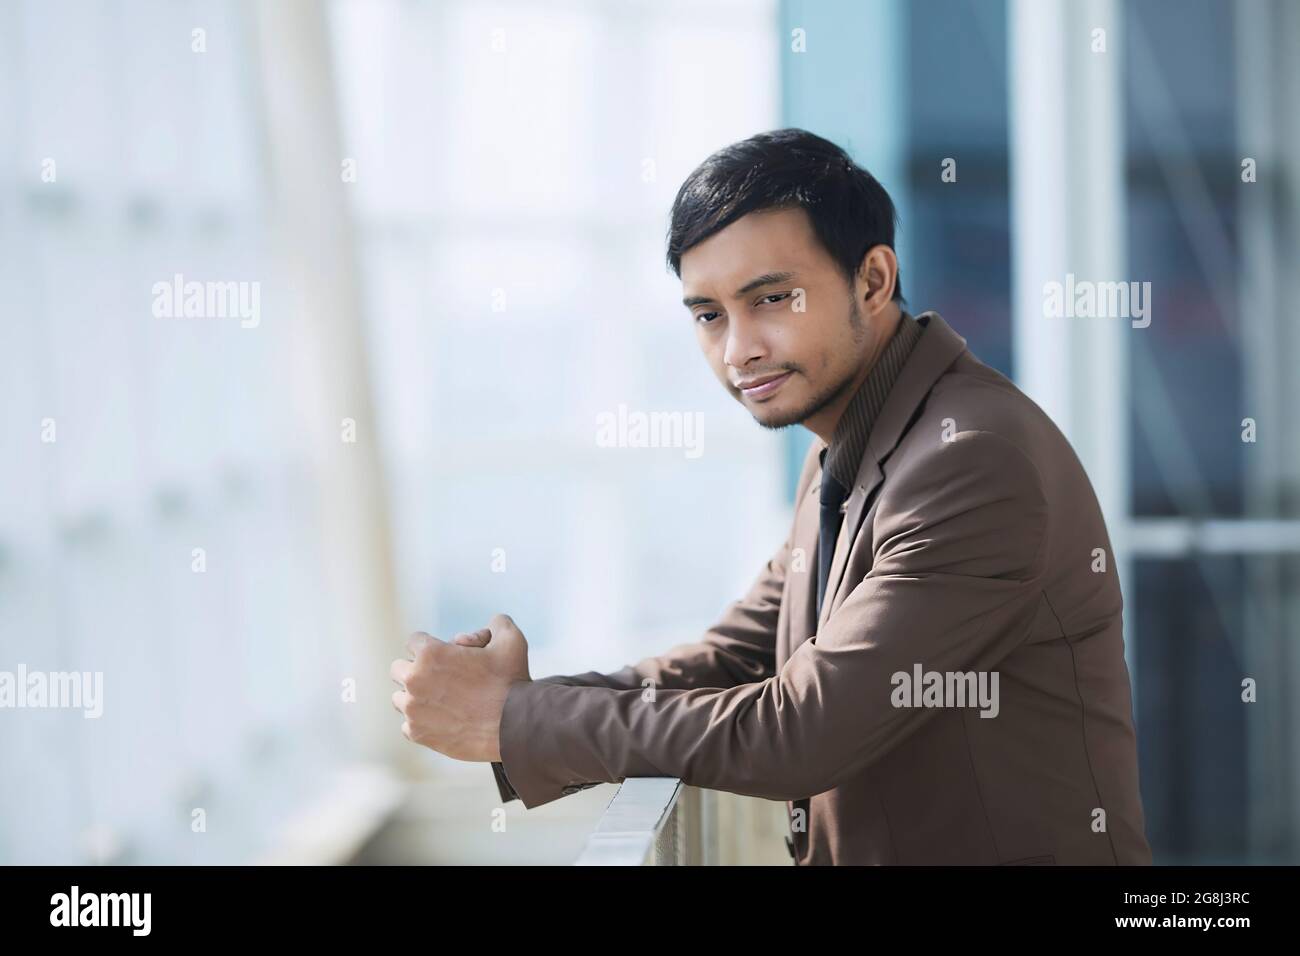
<point>930,669</point>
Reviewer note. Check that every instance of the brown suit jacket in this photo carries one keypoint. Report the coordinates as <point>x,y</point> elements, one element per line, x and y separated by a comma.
<point>972,542</point>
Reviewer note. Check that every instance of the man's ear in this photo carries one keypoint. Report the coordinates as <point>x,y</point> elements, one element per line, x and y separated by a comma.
<point>877,276</point>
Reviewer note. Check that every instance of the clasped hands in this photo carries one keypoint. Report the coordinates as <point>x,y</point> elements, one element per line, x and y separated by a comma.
<point>452,694</point>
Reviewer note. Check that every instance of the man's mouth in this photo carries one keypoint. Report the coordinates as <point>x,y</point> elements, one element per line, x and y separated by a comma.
<point>763,385</point>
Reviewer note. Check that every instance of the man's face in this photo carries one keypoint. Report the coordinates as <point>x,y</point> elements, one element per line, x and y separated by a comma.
<point>742,288</point>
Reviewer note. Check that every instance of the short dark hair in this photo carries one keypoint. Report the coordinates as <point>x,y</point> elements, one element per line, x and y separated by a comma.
<point>849,209</point>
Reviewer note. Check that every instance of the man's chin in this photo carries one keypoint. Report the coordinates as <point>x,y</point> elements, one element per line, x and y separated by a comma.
<point>776,417</point>
<point>782,411</point>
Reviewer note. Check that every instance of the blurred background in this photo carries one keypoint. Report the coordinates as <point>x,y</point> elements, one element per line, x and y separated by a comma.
<point>452,214</point>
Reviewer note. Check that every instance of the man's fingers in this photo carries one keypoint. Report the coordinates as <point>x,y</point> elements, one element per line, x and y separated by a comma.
<point>400,671</point>
<point>478,638</point>
<point>400,699</point>
<point>502,624</point>
<point>420,642</point>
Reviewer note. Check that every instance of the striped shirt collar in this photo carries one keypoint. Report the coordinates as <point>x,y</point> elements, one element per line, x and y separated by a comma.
<point>843,456</point>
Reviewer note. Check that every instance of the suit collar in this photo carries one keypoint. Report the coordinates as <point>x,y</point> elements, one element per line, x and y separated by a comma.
<point>849,443</point>
<point>938,347</point>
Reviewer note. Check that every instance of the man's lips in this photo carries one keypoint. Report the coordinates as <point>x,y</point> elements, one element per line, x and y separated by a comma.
<point>763,384</point>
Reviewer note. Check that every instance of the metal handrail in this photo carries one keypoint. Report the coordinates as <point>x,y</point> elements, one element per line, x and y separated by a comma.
<point>654,821</point>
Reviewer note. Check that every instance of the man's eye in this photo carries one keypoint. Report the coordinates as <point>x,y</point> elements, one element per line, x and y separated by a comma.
<point>703,317</point>
<point>775,297</point>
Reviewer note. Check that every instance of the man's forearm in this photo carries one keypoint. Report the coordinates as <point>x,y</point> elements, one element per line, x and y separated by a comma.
<point>626,678</point>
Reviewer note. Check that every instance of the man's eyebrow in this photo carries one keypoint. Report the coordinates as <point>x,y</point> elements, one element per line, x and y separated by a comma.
<point>767,278</point>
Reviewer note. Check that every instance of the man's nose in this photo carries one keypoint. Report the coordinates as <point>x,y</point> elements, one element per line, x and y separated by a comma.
<point>744,341</point>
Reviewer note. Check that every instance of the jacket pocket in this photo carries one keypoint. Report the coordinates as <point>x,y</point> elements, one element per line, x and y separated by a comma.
<point>1047,859</point>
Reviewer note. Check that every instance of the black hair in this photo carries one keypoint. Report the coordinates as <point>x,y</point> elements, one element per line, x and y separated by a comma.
<point>849,209</point>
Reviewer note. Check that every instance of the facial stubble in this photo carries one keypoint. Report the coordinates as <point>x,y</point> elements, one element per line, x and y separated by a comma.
<point>835,391</point>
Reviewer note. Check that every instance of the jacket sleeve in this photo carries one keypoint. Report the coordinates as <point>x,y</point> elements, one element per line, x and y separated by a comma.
<point>740,648</point>
<point>954,586</point>
<point>504,788</point>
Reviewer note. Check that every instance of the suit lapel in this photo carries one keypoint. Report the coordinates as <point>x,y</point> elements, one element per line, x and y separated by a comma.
<point>869,476</point>
<point>937,349</point>
<point>803,590</point>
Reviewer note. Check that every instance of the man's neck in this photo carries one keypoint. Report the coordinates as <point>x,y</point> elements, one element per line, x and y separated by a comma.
<point>824,423</point>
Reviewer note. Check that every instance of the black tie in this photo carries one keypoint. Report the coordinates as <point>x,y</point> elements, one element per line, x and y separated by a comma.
<point>833,495</point>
